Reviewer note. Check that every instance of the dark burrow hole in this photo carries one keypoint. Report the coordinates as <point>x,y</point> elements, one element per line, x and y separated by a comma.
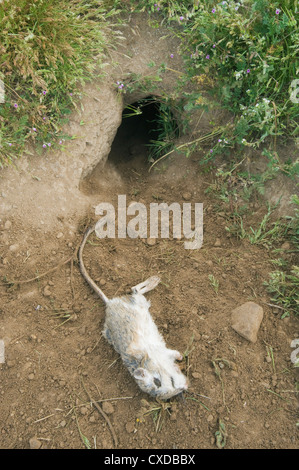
<point>144,123</point>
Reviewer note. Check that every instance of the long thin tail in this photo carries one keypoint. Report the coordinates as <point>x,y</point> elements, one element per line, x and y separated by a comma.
<point>84,273</point>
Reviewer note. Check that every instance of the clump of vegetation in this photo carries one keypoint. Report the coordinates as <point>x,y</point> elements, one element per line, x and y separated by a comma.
<point>48,48</point>
<point>241,53</point>
<point>244,55</point>
<point>284,289</point>
<point>283,284</point>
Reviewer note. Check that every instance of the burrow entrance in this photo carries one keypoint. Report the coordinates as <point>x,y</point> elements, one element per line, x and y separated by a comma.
<point>147,128</point>
<point>144,123</point>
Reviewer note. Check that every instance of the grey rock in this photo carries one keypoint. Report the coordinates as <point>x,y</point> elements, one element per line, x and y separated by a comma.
<point>246,320</point>
<point>34,443</point>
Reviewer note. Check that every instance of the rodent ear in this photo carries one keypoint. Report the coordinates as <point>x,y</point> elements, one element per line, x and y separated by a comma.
<point>140,373</point>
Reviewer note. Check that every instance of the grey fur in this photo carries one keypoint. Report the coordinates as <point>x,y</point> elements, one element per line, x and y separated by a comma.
<point>130,329</point>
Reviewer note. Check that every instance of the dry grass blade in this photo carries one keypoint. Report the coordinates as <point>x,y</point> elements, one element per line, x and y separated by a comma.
<point>103,414</point>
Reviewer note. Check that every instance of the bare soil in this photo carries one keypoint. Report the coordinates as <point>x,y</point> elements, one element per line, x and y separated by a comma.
<point>57,362</point>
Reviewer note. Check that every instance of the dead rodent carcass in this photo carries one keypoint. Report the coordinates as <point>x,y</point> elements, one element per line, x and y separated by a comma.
<point>130,329</point>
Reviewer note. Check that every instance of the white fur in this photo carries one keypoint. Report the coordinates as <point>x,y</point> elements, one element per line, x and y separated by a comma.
<point>129,327</point>
<point>131,330</point>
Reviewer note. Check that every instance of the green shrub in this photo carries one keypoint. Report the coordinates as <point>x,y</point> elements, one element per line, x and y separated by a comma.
<point>47,49</point>
<point>245,55</point>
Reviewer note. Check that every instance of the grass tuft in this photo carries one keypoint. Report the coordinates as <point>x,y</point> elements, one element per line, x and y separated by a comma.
<point>48,50</point>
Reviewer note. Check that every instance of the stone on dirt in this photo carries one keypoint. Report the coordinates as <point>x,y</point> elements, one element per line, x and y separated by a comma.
<point>34,443</point>
<point>151,241</point>
<point>187,196</point>
<point>107,408</point>
<point>246,320</point>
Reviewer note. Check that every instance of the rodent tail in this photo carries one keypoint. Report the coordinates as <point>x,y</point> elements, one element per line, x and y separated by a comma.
<point>84,273</point>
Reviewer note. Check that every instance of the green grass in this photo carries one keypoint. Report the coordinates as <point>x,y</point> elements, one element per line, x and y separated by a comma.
<point>244,56</point>
<point>48,50</point>
<point>284,289</point>
<point>283,283</point>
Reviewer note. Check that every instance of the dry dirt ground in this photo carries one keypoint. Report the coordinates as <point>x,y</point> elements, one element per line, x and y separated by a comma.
<point>57,363</point>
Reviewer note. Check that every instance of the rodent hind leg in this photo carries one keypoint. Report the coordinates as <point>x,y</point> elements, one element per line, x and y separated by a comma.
<point>146,286</point>
<point>175,354</point>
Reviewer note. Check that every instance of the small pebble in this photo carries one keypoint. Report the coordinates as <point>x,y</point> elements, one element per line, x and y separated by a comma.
<point>7,225</point>
<point>186,196</point>
<point>107,408</point>
<point>34,443</point>
<point>285,246</point>
<point>130,427</point>
<point>46,291</point>
<point>83,410</point>
<point>217,242</point>
<point>13,248</point>
<point>196,375</point>
<point>151,241</point>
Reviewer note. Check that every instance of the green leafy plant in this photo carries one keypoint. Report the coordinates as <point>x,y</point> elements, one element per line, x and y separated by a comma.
<point>243,55</point>
<point>214,282</point>
<point>283,283</point>
<point>284,290</point>
<point>48,49</point>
